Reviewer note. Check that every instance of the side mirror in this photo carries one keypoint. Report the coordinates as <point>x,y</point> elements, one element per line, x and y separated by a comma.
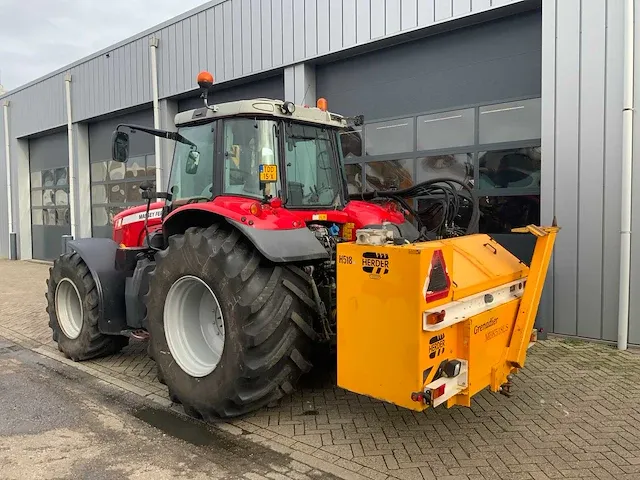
<point>120,147</point>
<point>192,162</point>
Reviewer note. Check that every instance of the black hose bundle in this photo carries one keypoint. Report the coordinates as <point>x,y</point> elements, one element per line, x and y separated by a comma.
<point>443,199</point>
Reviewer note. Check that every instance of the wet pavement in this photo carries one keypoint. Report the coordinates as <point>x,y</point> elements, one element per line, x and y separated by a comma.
<point>59,423</point>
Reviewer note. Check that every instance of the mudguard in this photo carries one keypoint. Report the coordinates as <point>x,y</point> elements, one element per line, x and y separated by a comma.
<point>284,246</point>
<point>99,254</point>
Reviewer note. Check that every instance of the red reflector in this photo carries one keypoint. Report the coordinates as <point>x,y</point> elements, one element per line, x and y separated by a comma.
<point>439,281</point>
<point>437,392</point>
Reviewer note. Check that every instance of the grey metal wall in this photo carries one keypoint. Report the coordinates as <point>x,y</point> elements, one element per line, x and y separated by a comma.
<point>48,152</point>
<point>271,87</point>
<point>581,143</point>
<point>493,61</point>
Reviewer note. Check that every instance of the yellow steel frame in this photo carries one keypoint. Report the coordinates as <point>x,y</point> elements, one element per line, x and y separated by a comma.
<point>384,349</point>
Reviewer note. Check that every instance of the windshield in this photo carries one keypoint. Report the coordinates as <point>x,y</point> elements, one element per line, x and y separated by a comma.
<point>312,178</point>
<point>248,144</point>
<point>192,169</point>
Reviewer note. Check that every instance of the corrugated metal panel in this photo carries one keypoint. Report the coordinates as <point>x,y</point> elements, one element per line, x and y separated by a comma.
<point>277,32</point>
<point>567,147</point>
<point>349,26</point>
<point>611,172</point>
<point>409,13</point>
<point>590,168</point>
<point>323,26</point>
<point>392,16</point>
<point>582,100</point>
<point>377,21</point>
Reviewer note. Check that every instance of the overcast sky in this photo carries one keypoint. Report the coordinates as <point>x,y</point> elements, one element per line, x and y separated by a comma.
<point>40,36</point>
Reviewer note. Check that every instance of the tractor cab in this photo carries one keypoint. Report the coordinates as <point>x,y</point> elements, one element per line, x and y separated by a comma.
<point>260,149</point>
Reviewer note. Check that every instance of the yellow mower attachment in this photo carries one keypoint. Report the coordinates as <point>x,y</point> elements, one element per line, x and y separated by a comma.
<point>428,323</point>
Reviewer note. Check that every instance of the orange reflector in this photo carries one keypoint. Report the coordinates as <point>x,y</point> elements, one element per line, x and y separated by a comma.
<point>322,104</point>
<point>436,317</point>
<point>205,79</point>
<point>437,392</point>
<point>255,209</point>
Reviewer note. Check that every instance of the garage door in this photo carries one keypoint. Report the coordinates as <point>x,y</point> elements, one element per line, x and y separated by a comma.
<point>272,87</point>
<point>114,185</point>
<point>464,103</point>
<point>48,166</point>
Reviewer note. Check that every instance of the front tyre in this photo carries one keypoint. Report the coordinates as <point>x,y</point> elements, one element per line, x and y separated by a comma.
<point>230,331</point>
<point>72,305</point>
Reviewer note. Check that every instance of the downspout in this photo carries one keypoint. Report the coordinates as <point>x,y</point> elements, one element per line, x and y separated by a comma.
<point>627,170</point>
<point>7,154</point>
<point>153,42</point>
<point>72,169</point>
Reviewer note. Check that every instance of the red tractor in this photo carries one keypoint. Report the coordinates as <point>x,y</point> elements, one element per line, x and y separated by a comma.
<point>231,274</point>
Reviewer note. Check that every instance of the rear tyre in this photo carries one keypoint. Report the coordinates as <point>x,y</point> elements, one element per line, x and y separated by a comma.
<point>72,305</point>
<point>230,331</point>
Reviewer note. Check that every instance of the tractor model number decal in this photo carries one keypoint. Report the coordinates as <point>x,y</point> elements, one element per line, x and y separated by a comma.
<point>268,173</point>
<point>375,264</point>
<point>345,259</point>
<point>436,345</point>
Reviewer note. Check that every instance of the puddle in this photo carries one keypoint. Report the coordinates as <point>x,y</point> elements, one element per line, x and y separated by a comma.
<point>190,431</point>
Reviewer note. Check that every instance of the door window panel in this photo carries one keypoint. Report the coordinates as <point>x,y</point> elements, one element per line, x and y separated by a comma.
<point>453,165</point>
<point>391,137</point>
<point>509,122</point>
<point>508,169</point>
<point>389,174</point>
<point>446,130</point>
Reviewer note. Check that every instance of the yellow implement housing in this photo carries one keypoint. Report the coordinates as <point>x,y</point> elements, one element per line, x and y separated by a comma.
<point>474,331</point>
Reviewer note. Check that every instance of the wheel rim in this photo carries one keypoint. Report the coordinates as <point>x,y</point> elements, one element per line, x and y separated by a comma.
<point>194,326</point>
<point>69,308</point>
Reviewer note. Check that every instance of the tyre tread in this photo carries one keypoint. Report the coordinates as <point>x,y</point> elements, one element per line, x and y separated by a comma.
<point>276,332</point>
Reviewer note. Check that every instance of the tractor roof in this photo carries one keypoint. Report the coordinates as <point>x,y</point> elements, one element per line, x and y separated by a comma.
<point>262,106</point>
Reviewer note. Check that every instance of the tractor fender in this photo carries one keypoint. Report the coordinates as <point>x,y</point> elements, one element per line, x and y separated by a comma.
<point>280,245</point>
<point>284,246</point>
<point>100,256</point>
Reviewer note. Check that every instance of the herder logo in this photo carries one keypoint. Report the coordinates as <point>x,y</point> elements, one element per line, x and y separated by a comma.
<point>375,264</point>
<point>436,345</point>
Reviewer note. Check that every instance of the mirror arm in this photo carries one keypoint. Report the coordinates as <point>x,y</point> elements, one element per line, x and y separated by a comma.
<point>175,136</point>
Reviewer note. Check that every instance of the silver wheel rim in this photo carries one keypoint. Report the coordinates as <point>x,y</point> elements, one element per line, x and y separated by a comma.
<point>69,308</point>
<point>194,326</point>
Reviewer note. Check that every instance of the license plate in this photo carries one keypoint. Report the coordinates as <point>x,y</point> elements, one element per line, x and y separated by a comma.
<point>268,173</point>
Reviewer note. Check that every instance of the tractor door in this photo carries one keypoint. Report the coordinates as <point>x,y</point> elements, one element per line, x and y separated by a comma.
<point>192,172</point>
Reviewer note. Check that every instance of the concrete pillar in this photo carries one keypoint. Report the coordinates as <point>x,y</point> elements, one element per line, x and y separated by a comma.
<point>20,157</point>
<point>300,84</point>
<point>83,180</point>
<point>167,110</point>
